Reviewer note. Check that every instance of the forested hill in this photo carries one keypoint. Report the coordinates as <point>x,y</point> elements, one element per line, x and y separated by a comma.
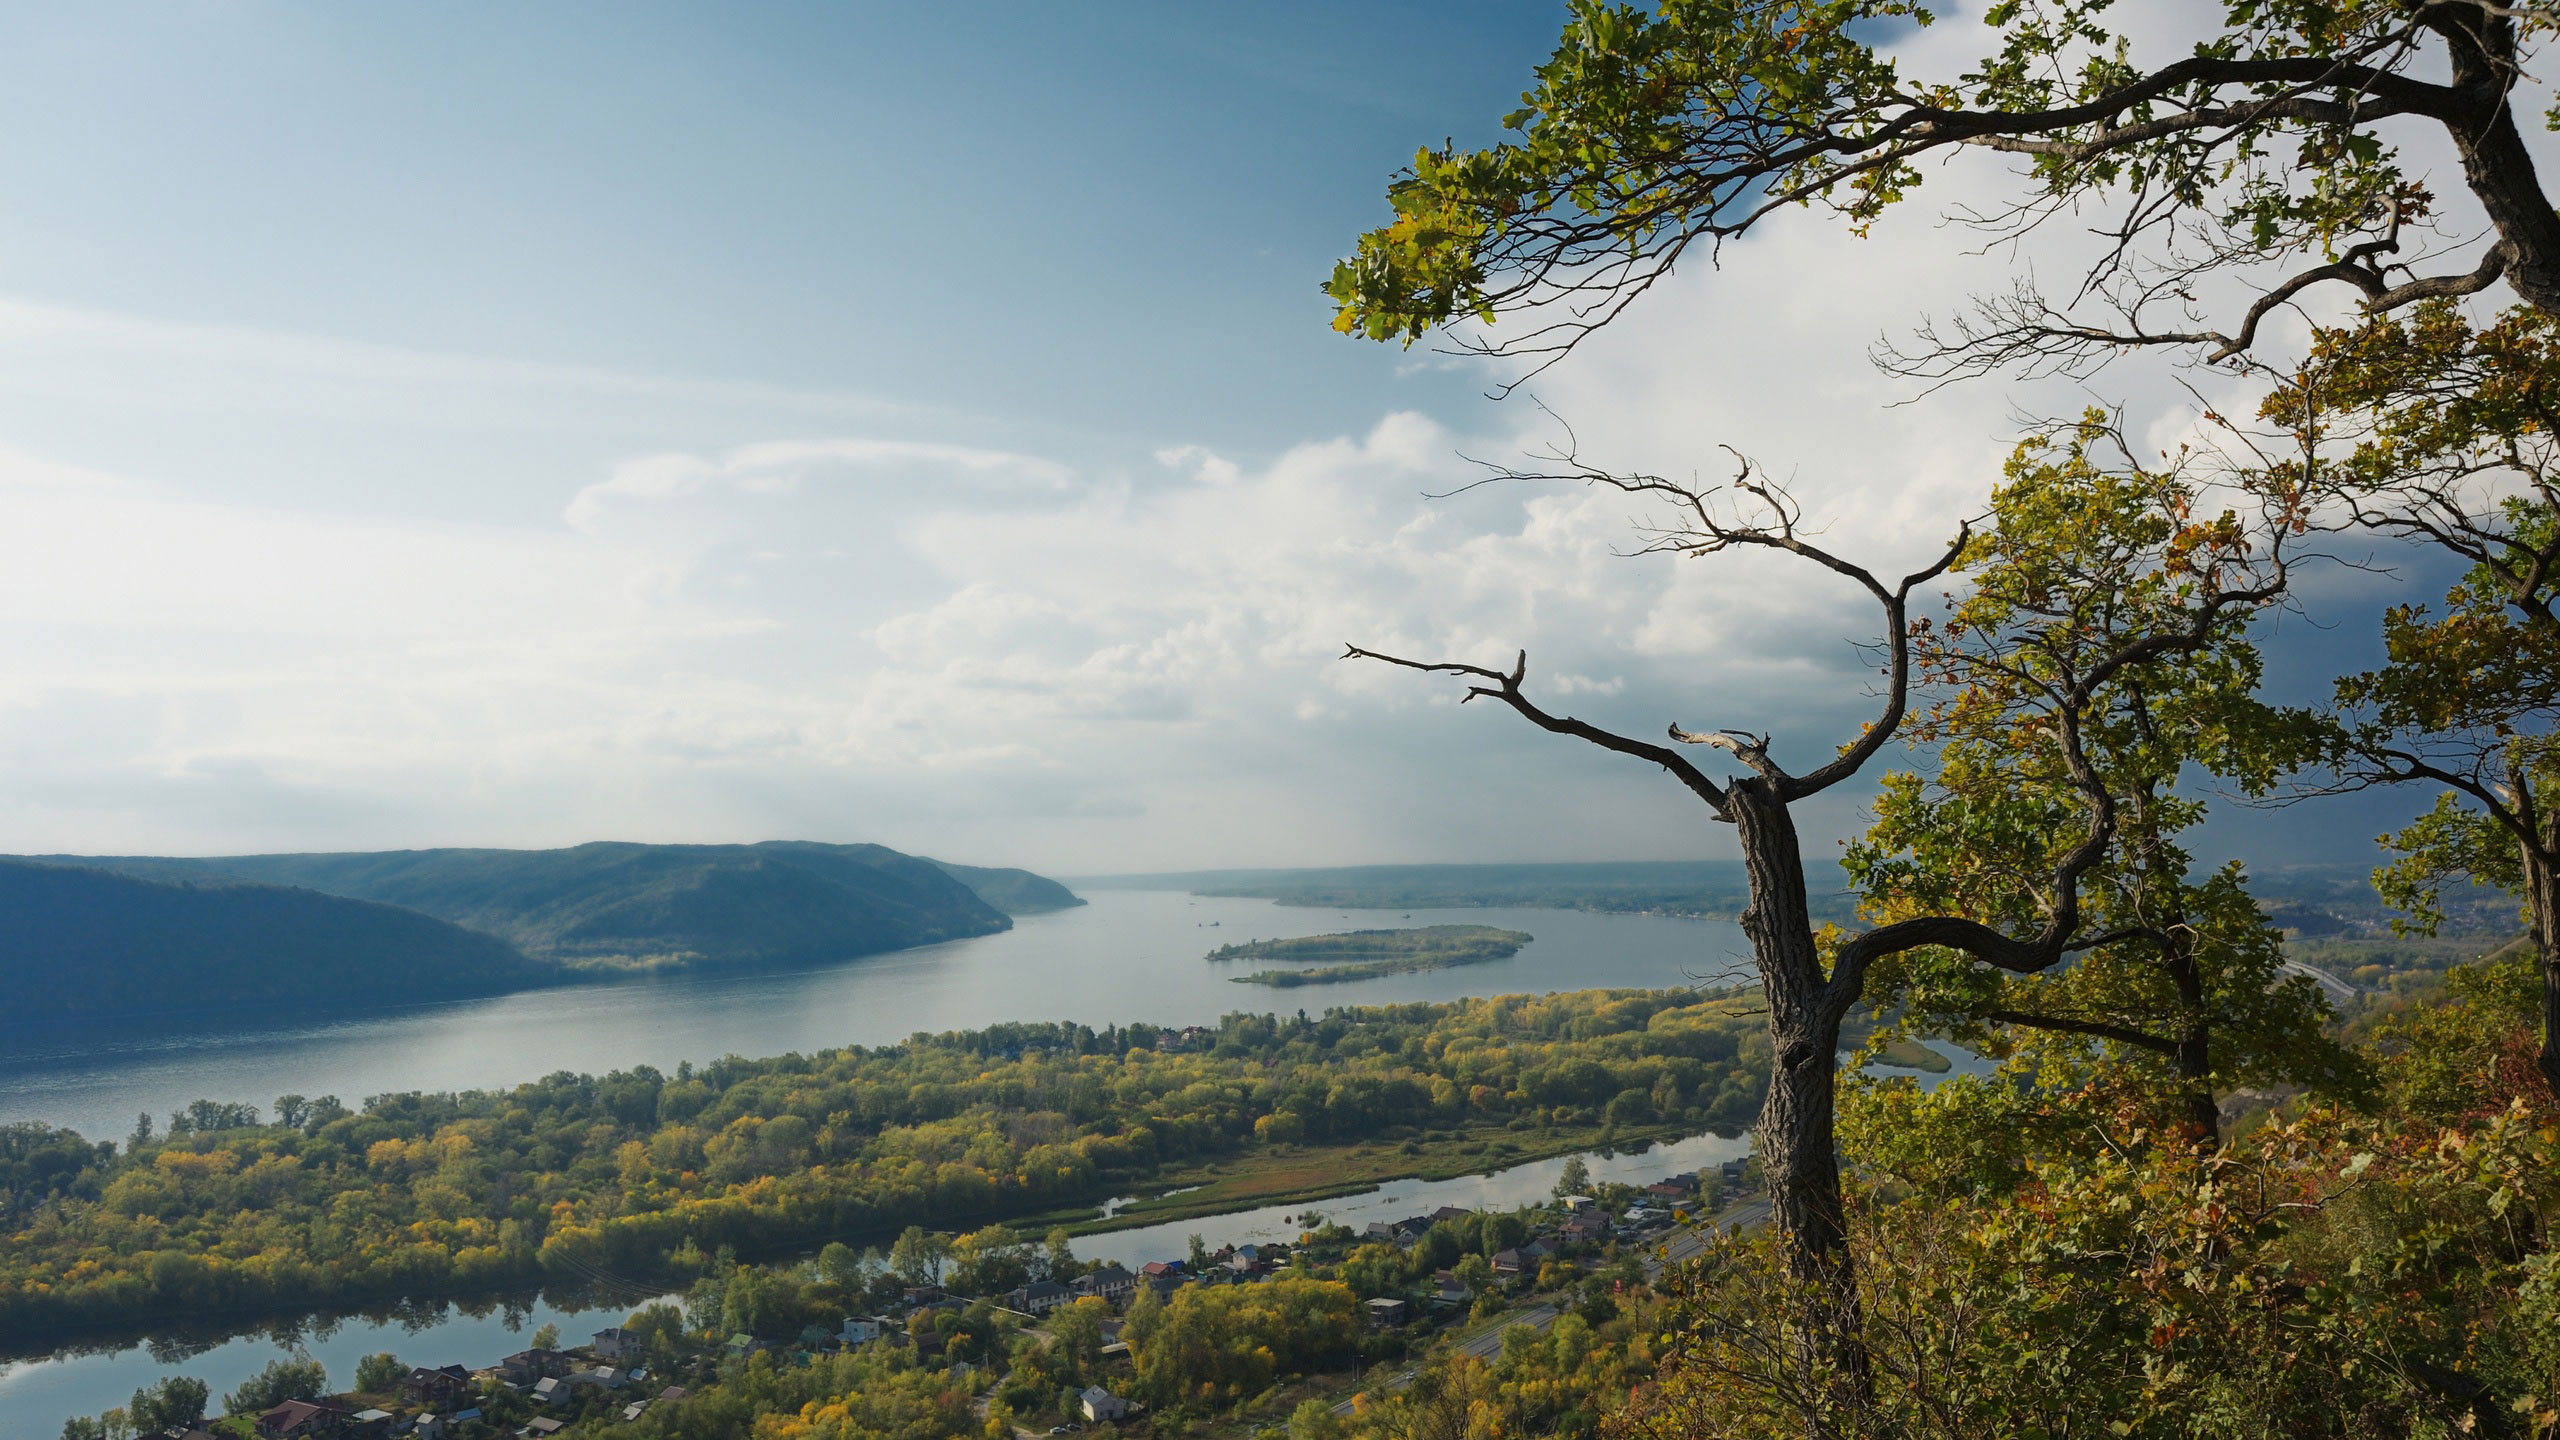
<point>620,905</point>
<point>87,944</point>
<point>1015,892</point>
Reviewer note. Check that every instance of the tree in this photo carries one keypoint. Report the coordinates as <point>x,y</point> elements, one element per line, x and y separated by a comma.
<point>1576,1179</point>
<point>380,1373</point>
<point>2440,431</point>
<point>297,1377</point>
<point>1650,131</point>
<point>990,1261</point>
<point>547,1337</point>
<point>111,1425</point>
<point>176,1402</point>
<point>919,1255</point>
<point>1058,1261</point>
<point>1812,981</point>
<point>2181,982</point>
<point>1199,1255</point>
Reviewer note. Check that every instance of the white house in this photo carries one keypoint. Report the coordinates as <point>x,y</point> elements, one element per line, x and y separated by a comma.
<point>617,1344</point>
<point>1101,1404</point>
<point>858,1331</point>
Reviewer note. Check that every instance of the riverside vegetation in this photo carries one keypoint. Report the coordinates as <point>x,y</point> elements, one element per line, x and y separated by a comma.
<point>2037,1256</point>
<point>636,1173</point>
<point>1369,954</point>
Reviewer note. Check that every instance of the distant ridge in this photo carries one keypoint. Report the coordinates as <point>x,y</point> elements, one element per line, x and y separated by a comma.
<point>1015,892</point>
<point>615,905</point>
<point>87,944</point>
<point>1711,888</point>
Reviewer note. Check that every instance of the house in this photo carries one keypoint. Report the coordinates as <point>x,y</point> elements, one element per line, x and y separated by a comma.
<point>432,1427</point>
<point>1100,1404</point>
<point>1158,1269</point>
<point>1586,1225</point>
<point>1386,1313</point>
<point>1111,1282</point>
<point>1451,1213</point>
<point>368,1425</point>
<point>922,1295</point>
<point>437,1388</point>
<point>1037,1298</point>
<point>858,1331</point>
<point>541,1428</point>
<point>634,1410</point>
<point>1575,1202</point>
<point>1379,1230</point>
<point>551,1390</point>
<point>301,1417</point>
<point>1537,1251</point>
<point>675,1392</point>
<point>618,1344</point>
<point>1731,1171</point>
<point>526,1366</point>
<point>1508,1262</point>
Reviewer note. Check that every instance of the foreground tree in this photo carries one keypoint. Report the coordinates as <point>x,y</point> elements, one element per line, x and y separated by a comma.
<point>2141,611</point>
<point>2445,433</point>
<point>2251,150</point>
<point>2179,991</point>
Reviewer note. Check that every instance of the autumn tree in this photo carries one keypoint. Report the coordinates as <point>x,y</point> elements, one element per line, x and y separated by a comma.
<point>2445,432</point>
<point>2179,988</point>
<point>2220,568</point>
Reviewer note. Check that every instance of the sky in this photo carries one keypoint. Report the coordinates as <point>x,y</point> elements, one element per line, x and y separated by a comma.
<point>525,425</point>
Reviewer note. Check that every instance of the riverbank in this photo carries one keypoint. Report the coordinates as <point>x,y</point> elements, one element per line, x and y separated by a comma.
<point>1300,1175</point>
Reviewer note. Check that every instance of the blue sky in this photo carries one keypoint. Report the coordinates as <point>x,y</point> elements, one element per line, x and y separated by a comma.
<point>1100,225</point>
<point>531,424</point>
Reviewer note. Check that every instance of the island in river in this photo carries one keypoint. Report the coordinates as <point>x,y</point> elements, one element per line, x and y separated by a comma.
<point>1368,954</point>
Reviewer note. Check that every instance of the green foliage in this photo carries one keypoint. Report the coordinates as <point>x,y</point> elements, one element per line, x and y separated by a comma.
<point>1651,129</point>
<point>284,1378</point>
<point>1213,1345</point>
<point>866,1394</point>
<point>634,1171</point>
<point>174,1402</point>
<point>1375,952</point>
<point>381,1372</point>
<point>2182,991</point>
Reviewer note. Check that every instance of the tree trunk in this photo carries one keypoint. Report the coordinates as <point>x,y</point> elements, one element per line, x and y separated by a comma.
<point>2542,902</point>
<point>2193,1057</point>
<point>1797,1154</point>
<point>2495,163</point>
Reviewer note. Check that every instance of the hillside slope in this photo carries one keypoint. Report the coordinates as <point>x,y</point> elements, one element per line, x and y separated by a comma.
<point>83,943</point>
<point>618,905</point>
<point>1015,892</point>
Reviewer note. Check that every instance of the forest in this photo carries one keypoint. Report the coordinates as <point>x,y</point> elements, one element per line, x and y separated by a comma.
<point>639,1175</point>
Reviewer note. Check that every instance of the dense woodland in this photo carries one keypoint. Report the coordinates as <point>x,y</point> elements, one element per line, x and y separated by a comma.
<point>638,1174</point>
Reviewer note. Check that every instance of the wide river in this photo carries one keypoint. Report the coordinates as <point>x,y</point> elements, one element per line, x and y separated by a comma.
<point>1127,956</point>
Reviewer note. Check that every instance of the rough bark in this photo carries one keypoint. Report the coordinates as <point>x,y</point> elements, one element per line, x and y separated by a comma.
<point>2542,902</point>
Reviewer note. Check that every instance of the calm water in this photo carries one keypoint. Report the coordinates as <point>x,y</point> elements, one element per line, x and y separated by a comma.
<point>1129,955</point>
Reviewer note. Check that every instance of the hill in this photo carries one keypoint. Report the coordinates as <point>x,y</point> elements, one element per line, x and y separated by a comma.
<point>613,905</point>
<point>1015,892</point>
<point>88,944</point>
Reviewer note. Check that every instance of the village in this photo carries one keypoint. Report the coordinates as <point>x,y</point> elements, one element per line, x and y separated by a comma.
<point>1419,1280</point>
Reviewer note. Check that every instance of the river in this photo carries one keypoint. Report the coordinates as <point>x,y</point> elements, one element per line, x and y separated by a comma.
<point>1128,955</point>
